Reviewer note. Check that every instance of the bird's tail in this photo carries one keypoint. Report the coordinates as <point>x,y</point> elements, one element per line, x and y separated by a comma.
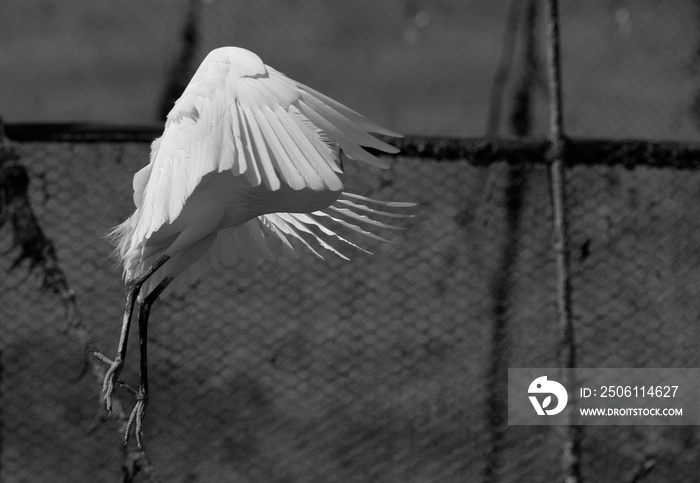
<point>120,236</point>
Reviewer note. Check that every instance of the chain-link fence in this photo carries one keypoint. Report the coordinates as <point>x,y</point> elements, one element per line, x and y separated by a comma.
<point>368,370</point>
<point>388,367</point>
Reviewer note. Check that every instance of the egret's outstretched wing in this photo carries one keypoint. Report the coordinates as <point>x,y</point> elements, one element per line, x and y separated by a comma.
<point>310,232</point>
<point>238,114</point>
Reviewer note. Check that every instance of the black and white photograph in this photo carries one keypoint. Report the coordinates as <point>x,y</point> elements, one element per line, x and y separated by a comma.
<point>328,241</point>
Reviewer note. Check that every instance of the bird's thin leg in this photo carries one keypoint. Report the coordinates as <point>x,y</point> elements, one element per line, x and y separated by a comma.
<point>132,292</point>
<point>137,414</point>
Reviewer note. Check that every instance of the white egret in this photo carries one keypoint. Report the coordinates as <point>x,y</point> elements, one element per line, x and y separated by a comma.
<point>247,155</point>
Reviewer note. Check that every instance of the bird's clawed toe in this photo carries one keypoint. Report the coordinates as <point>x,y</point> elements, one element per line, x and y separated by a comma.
<point>109,380</point>
<point>136,420</point>
<point>136,417</point>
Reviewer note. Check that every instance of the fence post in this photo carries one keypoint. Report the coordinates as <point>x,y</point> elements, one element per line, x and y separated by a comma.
<point>556,157</point>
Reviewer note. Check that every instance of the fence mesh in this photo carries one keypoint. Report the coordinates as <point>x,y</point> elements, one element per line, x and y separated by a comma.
<point>370,370</point>
<point>377,369</point>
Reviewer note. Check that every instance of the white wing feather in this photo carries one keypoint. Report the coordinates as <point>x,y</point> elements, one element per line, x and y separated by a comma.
<point>241,115</point>
<point>250,241</point>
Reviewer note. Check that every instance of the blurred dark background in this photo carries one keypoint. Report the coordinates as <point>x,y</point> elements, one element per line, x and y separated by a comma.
<point>390,367</point>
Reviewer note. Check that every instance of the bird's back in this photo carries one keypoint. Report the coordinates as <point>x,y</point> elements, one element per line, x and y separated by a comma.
<point>246,154</point>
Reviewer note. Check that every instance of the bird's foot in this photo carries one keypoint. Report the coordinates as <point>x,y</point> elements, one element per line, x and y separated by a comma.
<point>109,380</point>
<point>136,420</point>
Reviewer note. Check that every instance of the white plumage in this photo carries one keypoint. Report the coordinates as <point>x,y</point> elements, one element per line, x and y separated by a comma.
<point>247,153</point>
